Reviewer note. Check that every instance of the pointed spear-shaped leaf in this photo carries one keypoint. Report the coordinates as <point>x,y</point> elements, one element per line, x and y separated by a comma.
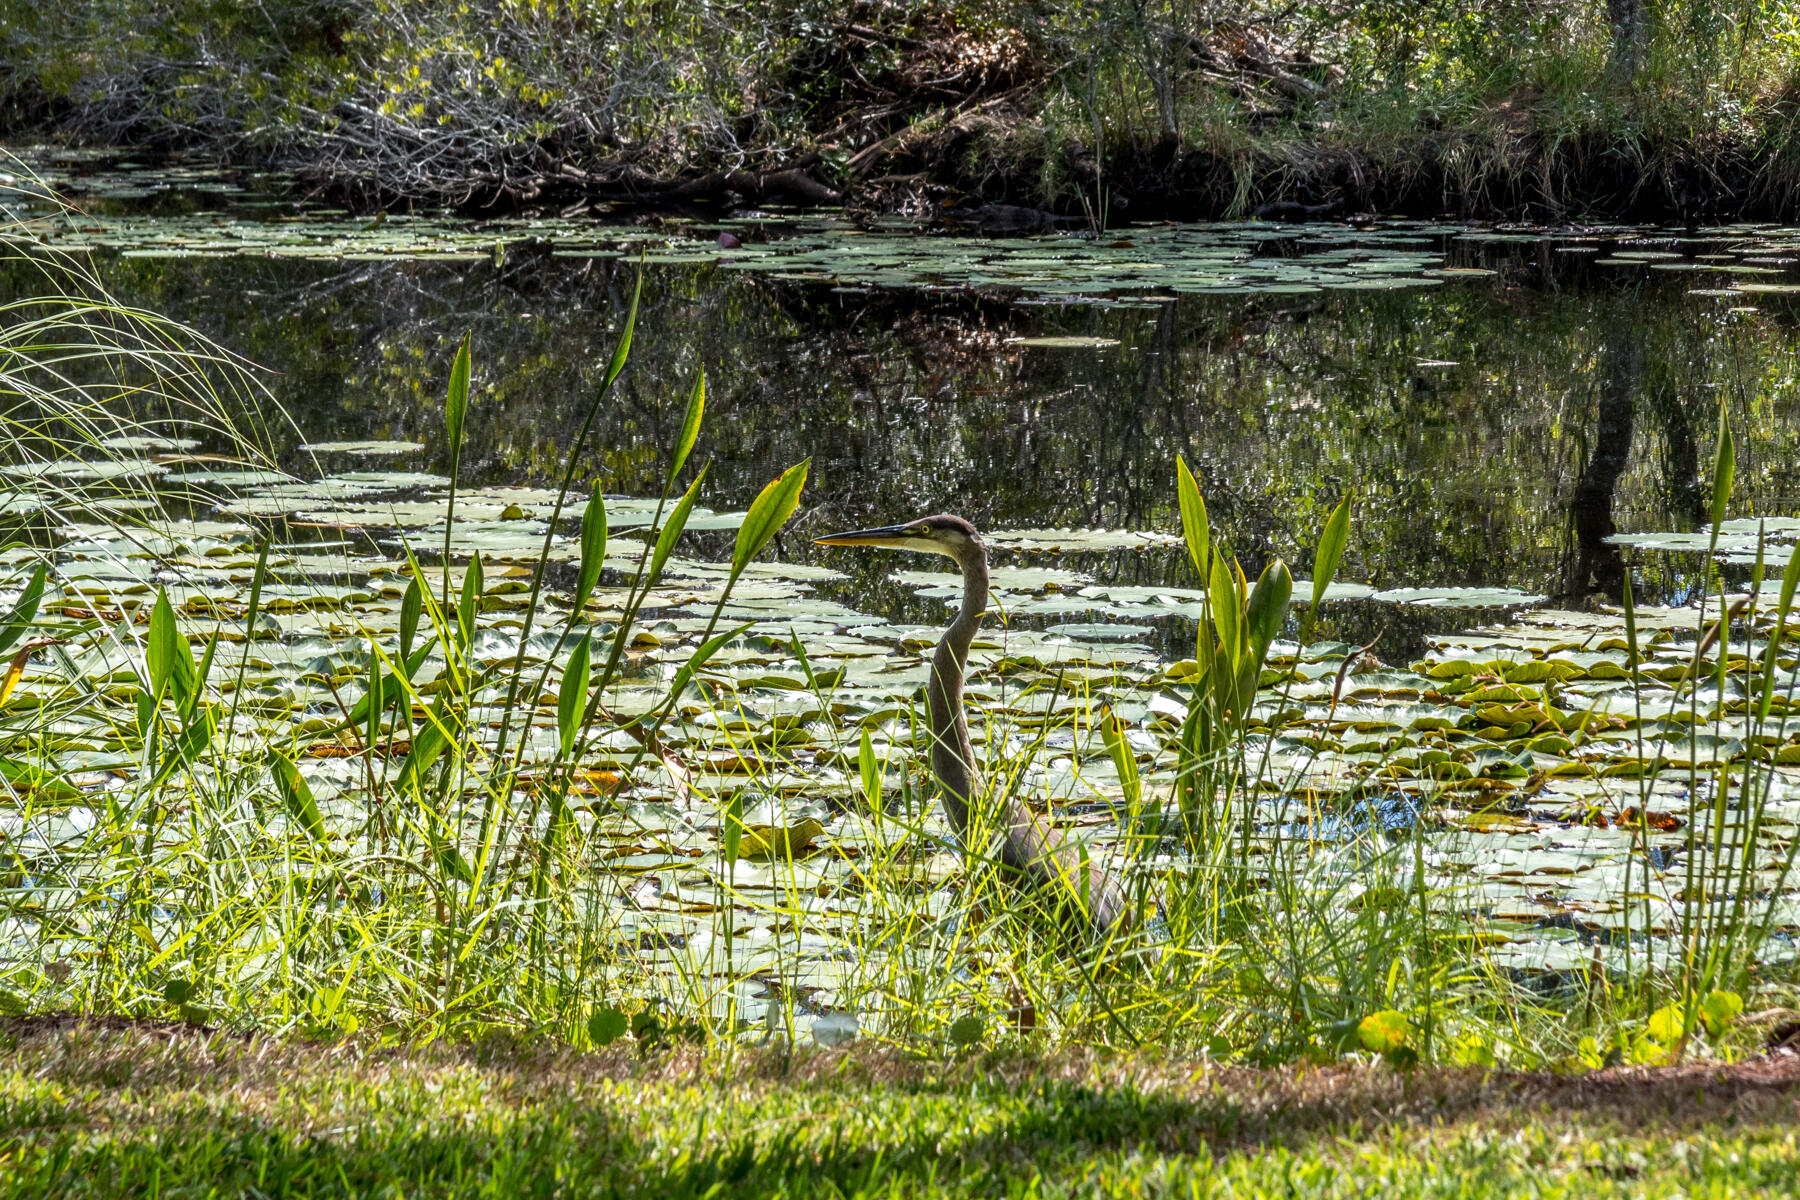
<point>1194,526</point>
<point>456,401</point>
<point>412,604</point>
<point>869,767</point>
<point>16,622</point>
<point>469,603</point>
<point>571,698</point>
<point>298,796</point>
<point>622,351</point>
<point>672,529</point>
<point>1227,610</point>
<point>1268,608</point>
<point>1724,470</point>
<point>456,407</point>
<point>1326,557</point>
<point>768,513</point>
<point>1112,732</point>
<point>690,426</point>
<point>171,662</point>
<point>432,740</point>
<point>593,549</point>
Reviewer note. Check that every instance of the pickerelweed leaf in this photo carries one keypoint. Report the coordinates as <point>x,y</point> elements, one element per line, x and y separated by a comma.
<point>456,401</point>
<point>1268,607</point>
<point>768,513</point>
<point>593,549</point>
<point>170,661</point>
<point>297,795</point>
<point>673,527</point>
<point>469,602</point>
<point>690,426</point>
<point>412,605</point>
<point>622,351</point>
<point>1124,759</point>
<point>1194,525</point>
<point>571,699</point>
<point>1227,610</point>
<point>1326,557</point>
<point>1724,468</point>
<point>869,768</point>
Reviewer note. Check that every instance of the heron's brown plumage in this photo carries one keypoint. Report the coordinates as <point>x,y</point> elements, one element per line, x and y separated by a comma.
<point>1042,853</point>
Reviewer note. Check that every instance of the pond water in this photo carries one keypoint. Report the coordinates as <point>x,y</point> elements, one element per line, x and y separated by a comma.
<point>1498,401</point>
<point>1518,414</point>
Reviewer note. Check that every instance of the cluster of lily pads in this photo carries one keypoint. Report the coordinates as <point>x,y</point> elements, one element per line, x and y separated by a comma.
<point>1544,760</point>
<point>1136,265</point>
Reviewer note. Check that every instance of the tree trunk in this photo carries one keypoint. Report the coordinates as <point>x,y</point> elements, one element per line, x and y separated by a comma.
<point>1630,20</point>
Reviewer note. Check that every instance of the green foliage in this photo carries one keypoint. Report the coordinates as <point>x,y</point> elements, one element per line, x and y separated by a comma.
<point>516,87</point>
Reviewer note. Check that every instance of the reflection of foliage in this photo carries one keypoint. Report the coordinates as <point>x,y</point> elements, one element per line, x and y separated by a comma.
<point>1465,472</point>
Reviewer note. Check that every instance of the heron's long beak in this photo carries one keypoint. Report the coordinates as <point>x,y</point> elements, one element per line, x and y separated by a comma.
<point>893,537</point>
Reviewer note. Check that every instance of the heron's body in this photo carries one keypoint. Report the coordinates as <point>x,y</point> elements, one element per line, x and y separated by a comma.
<point>1045,856</point>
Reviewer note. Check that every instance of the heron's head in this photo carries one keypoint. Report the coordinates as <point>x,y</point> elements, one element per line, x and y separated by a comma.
<point>950,536</point>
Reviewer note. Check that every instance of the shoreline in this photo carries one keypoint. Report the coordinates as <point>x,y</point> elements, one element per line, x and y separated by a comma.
<point>1007,181</point>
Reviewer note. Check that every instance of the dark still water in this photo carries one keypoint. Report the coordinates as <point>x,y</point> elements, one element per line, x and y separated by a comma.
<point>1494,427</point>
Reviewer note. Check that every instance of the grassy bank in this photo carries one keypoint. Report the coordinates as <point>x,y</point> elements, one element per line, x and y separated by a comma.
<point>132,1111</point>
<point>1100,112</point>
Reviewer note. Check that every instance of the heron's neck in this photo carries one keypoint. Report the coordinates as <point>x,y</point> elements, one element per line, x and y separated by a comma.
<point>952,758</point>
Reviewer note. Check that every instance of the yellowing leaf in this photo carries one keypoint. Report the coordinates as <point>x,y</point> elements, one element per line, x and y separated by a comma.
<point>1384,1031</point>
<point>1719,1010</point>
<point>771,841</point>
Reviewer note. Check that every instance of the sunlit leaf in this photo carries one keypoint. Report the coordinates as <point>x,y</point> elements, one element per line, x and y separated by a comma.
<point>1719,1010</point>
<point>690,426</point>
<point>1195,528</point>
<point>768,513</point>
<point>593,549</point>
<point>673,527</point>
<point>1268,607</point>
<point>1326,557</point>
<point>869,768</point>
<point>622,350</point>
<point>297,794</point>
<point>170,660</point>
<point>571,700</point>
<point>412,605</point>
<point>456,400</point>
<point>1385,1031</point>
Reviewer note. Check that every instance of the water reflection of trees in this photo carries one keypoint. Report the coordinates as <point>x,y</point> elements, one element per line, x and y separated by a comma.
<point>1504,467</point>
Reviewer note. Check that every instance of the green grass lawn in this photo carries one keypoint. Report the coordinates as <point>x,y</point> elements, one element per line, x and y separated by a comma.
<point>154,1111</point>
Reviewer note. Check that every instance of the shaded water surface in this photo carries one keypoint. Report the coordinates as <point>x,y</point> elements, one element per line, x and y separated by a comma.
<point>1499,402</point>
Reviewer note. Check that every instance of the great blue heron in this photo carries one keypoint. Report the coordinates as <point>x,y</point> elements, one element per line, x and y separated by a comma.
<point>1039,851</point>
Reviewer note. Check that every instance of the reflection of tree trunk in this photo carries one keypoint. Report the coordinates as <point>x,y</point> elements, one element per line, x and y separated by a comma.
<point>1630,20</point>
<point>1600,568</point>
<point>1681,458</point>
